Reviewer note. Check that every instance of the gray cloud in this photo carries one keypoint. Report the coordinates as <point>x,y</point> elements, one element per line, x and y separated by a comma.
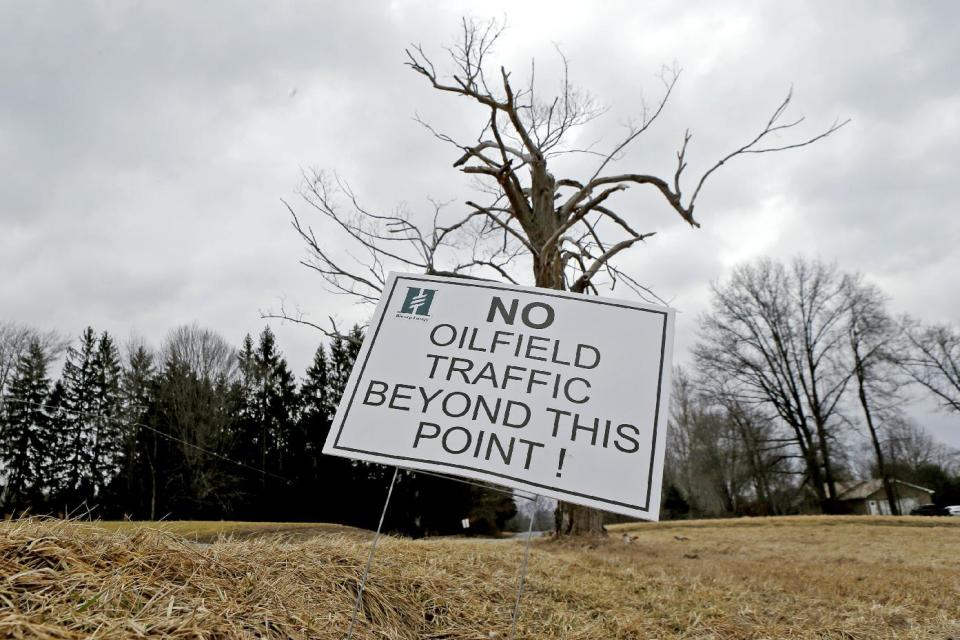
<point>144,148</point>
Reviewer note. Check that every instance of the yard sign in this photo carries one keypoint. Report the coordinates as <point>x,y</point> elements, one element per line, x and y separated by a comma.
<point>554,393</point>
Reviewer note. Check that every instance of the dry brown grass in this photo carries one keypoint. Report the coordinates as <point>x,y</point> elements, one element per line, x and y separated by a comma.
<point>210,530</point>
<point>762,578</point>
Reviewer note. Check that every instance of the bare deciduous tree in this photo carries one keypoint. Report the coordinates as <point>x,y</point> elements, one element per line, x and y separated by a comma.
<point>198,370</point>
<point>767,460</point>
<point>775,333</point>
<point>14,340</point>
<point>871,336</point>
<point>567,229</point>
<point>723,455</point>
<point>704,457</point>
<point>203,352</point>
<point>933,361</point>
<point>910,447</point>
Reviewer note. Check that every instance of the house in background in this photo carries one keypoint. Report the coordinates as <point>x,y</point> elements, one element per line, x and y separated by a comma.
<point>869,498</point>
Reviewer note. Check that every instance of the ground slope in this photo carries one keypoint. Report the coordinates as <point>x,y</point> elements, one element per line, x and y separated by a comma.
<point>756,578</point>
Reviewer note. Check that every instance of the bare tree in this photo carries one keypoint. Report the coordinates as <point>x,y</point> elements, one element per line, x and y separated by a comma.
<point>775,334</point>
<point>198,370</point>
<point>704,457</point>
<point>871,336</point>
<point>765,452</point>
<point>724,455</point>
<point>933,360</point>
<point>203,352</point>
<point>910,447</point>
<point>14,340</point>
<point>677,469</point>
<point>568,230</point>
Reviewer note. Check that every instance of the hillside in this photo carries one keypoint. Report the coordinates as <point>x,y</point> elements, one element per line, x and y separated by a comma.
<point>756,578</point>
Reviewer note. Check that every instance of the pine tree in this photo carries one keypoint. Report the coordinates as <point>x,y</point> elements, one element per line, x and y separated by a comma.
<point>90,424</point>
<point>315,393</point>
<point>316,474</point>
<point>59,421</point>
<point>246,424</point>
<point>490,509</point>
<point>363,483</point>
<point>26,442</point>
<point>342,357</point>
<point>266,422</point>
<point>278,402</point>
<point>249,380</point>
<point>106,422</point>
<point>138,393</point>
<point>74,429</point>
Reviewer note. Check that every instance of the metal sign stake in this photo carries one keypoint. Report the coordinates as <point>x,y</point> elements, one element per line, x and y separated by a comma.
<point>523,568</point>
<point>373,548</point>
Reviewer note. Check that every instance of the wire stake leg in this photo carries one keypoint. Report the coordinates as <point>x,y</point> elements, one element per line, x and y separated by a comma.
<point>523,569</point>
<point>373,548</point>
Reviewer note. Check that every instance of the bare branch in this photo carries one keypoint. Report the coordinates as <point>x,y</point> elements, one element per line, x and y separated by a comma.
<point>773,125</point>
<point>669,79</point>
<point>298,318</point>
<point>584,280</point>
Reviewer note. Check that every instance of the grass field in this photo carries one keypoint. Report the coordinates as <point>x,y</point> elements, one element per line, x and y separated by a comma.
<point>210,530</point>
<point>810,577</point>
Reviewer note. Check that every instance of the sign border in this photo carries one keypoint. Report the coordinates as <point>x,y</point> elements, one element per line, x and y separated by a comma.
<point>368,348</point>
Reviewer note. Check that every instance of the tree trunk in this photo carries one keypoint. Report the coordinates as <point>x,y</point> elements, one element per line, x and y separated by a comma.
<point>831,505</point>
<point>575,520</point>
<point>571,519</point>
<point>153,481</point>
<point>758,472</point>
<point>881,465</point>
<point>805,440</point>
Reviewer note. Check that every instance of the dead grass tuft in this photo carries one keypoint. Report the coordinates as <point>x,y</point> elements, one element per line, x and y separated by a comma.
<point>774,579</point>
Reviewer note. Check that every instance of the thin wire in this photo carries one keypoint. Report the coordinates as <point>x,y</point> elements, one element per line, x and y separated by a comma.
<point>523,572</point>
<point>165,435</point>
<point>262,471</point>
<point>373,548</point>
<point>267,473</point>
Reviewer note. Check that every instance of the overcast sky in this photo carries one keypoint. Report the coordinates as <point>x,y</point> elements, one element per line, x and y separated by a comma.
<point>145,147</point>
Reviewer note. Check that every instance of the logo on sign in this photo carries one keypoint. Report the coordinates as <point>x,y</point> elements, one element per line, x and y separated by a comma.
<point>418,301</point>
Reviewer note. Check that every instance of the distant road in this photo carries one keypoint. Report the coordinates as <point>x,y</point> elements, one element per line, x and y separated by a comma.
<point>523,535</point>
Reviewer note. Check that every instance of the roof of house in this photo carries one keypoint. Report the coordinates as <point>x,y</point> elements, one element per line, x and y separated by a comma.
<point>866,488</point>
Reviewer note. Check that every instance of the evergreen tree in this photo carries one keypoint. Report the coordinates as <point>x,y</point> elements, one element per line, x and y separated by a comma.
<point>343,353</point>
<point>266,424</point>
<point>56,411</point>
<point>490,509</point>
<point>137,382</point>
<point>362,483</point>
<point>674,506</point>
<point>279,403</point>
<point>316,410</point>
<point>315,393</point>
<point>248,381</point>
<point>26,439</point>
<point>302,463</point>
<point>316,475</point>
<point>137,395</point>
<point>106,423</point>
<point>73,428</point>
<point>89,422</point>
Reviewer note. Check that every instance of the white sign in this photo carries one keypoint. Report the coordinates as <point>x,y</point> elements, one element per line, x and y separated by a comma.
<point>555,393</point>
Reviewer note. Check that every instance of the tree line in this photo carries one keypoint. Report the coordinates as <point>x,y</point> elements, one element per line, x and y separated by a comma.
<point>799,384</point>
<point>199,429</point>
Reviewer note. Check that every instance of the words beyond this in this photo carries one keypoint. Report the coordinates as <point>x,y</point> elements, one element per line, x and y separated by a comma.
<point>564,386</point>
